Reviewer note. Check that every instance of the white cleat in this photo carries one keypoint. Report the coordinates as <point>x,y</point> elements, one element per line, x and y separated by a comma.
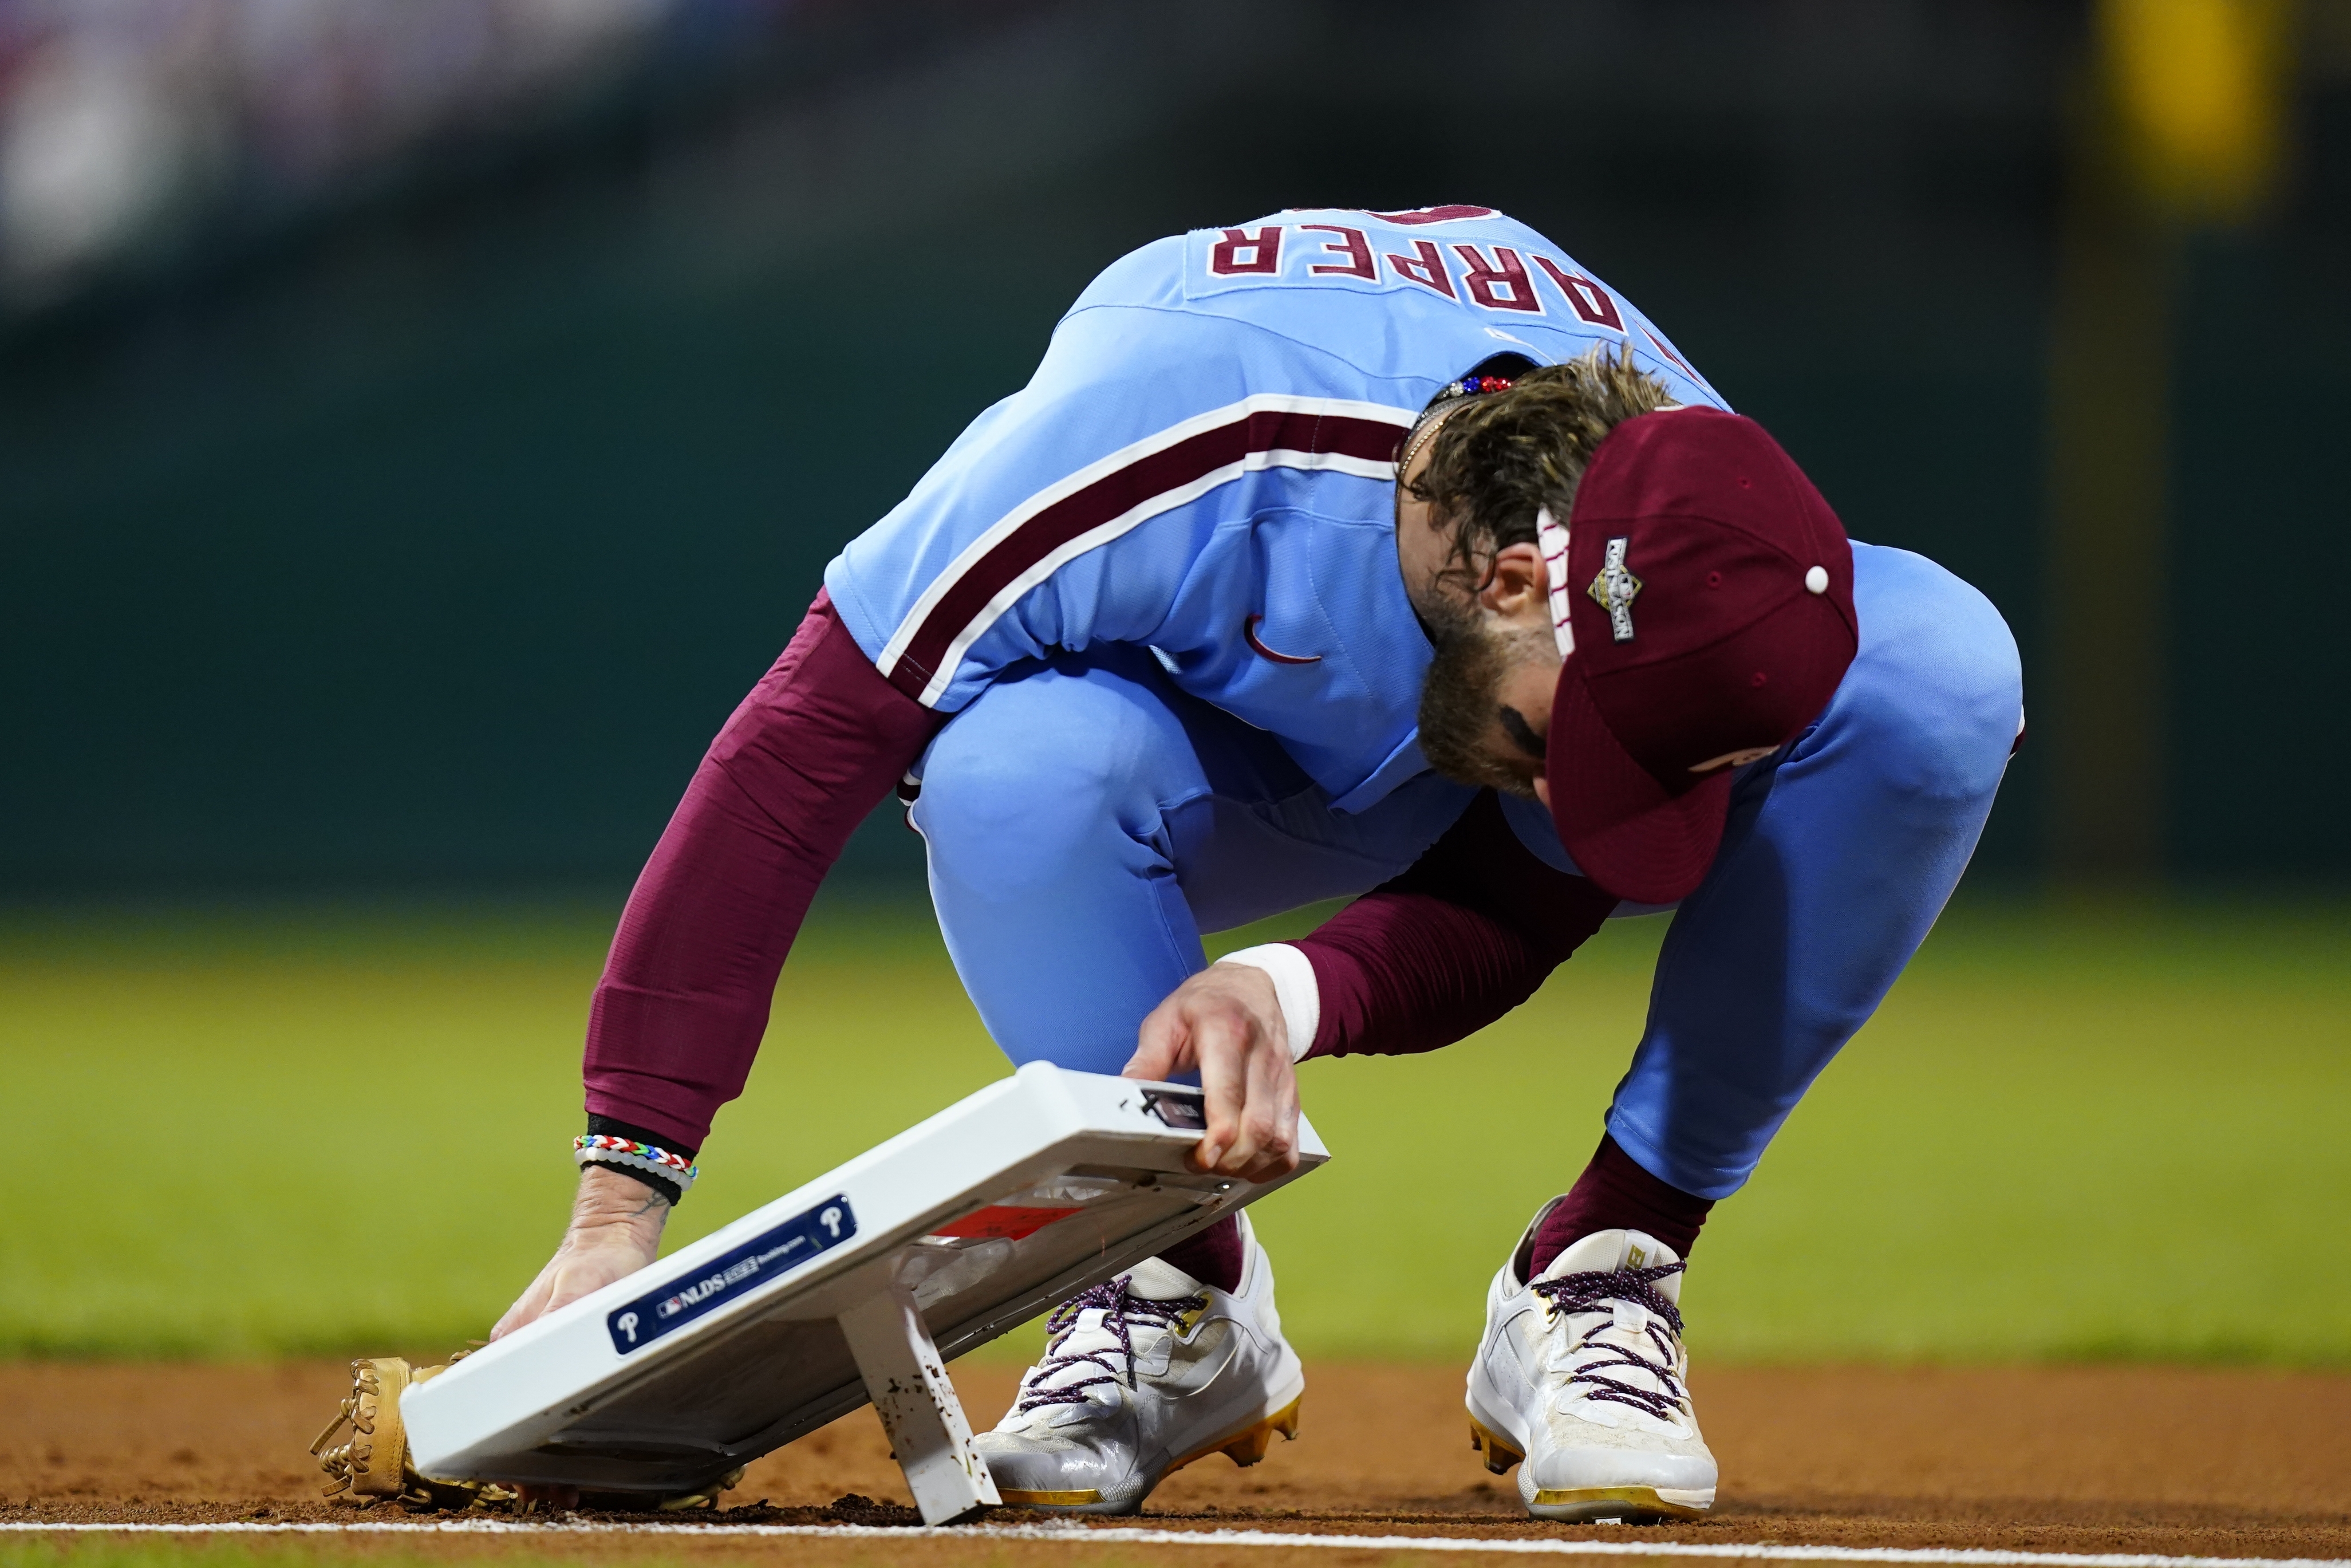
<point>1142,1376</point>
<point>1581,1382</point>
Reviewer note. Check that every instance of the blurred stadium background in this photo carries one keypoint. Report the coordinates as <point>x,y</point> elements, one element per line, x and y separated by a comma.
<point>421,420</point>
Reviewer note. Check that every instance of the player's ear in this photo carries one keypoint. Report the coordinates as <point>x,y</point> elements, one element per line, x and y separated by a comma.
<point>1516,583</point>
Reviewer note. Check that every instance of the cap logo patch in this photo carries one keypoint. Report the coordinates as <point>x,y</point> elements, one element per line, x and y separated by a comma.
<point>1614,589</point>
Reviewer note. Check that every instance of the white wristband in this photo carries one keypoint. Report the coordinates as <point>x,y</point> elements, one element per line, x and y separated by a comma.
<point>1293,973</point>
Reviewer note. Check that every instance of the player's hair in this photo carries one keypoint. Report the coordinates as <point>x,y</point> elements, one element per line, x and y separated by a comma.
<point>1507,454</point>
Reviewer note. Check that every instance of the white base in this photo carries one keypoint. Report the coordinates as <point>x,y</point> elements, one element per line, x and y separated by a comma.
<point>859,1285</point>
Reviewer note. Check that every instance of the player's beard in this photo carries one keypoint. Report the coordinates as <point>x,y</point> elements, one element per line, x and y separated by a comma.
<point>1460,701</point>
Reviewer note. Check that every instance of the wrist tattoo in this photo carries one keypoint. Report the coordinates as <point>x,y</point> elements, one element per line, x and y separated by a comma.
<point>648,1197</point>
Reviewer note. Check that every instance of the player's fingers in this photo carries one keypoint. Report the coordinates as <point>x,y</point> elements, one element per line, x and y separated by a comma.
<point>1220,1034</point>
<point>1160,1044</point>
<point>1272,1115</point>
<point>569,1285</point>
<point>528,1306</point>
<point>589,1270</point>
<point>1271,1120</point>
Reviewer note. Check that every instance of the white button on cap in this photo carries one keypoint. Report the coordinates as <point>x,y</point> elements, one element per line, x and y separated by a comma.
<point>1817,580</point>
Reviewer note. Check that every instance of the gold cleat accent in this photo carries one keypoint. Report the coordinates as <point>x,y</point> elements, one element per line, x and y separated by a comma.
<point>1592,1505</point>
<point>1248,1446</point>
<point>1617,1505</point>
<point>1499,1452</point>
<point>1016,1499</point>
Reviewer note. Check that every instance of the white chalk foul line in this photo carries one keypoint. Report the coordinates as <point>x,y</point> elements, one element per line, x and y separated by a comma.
<point>1128,1536</point>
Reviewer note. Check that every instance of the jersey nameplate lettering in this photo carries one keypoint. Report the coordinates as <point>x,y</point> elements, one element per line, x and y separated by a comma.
<point>1370,254</point>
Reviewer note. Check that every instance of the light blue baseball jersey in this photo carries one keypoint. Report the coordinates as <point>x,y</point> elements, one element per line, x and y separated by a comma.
<point>1203,464</point>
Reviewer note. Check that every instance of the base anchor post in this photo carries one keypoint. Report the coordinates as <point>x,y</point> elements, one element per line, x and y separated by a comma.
<point>907,1380</point>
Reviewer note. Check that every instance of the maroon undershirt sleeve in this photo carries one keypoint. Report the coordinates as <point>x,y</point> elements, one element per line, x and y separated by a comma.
<point>1459,939</point>
<point>1465,936</point>
<point>684,999</point>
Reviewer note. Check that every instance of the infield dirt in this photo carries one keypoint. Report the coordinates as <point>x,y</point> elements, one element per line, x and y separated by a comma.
<point>2122,1459</point>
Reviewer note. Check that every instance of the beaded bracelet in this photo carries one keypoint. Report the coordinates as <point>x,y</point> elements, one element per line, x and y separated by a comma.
<point>1470,386</point>
<point>1447,398</point>
<point>602,1149</point>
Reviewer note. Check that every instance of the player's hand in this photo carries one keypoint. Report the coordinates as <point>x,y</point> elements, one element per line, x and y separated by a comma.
<point>616,1225</point>
<point>1226,1023</point>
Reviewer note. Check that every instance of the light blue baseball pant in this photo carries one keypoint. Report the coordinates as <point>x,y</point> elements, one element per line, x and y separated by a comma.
<point>1087,821</point>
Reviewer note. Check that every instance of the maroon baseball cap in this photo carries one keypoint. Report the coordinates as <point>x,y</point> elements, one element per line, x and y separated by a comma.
<point>1710,593</point>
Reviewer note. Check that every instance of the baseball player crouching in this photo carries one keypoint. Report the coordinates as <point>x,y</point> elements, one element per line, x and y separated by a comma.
<point>1685,688</point>
<point>1145,653</point>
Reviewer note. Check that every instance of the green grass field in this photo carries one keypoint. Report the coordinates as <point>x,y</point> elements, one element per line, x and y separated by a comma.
<point>2073,1132</point>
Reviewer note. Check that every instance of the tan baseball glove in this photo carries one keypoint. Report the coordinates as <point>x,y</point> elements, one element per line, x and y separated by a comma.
<point>375,1466</point>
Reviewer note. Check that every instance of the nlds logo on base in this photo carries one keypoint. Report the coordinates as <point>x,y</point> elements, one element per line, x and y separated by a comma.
<point>705,1288</point>
<point>776,1252</point>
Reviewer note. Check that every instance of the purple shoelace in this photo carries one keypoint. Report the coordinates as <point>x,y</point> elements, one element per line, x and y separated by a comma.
<point>1120,1306</point>
<point>1586,1293</point>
